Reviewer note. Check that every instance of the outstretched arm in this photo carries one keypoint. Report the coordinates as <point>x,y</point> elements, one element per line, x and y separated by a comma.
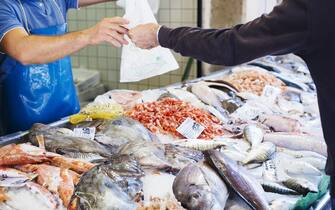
<point>84,3</point>
<point>32,49</point>
<point>284,30</point>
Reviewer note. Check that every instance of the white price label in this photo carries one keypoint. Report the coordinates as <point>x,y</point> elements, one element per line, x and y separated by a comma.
<point>87,133</point>
<point>190,129</point>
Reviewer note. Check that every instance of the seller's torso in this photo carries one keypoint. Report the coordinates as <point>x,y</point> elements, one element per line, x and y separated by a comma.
<point>36,14</point>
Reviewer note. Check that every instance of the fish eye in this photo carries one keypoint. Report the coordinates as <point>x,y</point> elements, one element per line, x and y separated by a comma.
<point>195,195</point>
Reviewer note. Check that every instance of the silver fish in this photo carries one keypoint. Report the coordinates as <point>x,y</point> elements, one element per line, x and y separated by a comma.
<point>280,124</point>
<point>149,155</point>
<point>199,187</point>
<point>114,184</point>
<point>297,142</point>
<point>263,153</point>
<point>235,144</point>
<point>63,144</point>
<point>300,185</point>
<point>90,157</point>
<point>180,157</point>
<point>316,162</point>
<point>201,145</point>
<point>277,188</point>
<point>206,95</point>
<point>299,167</point>
<point>121,131</point>
<point>301,154</point>
<point>239,179</point>
<point>253,134</point>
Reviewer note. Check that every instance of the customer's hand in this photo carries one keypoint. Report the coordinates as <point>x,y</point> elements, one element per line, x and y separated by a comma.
<point>109,30</point>
<point>145,36</point>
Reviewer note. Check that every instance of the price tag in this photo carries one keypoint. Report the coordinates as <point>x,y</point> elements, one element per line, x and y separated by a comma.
<point>271,92</point>
<point>87,133</point>
<point>270,171</point>
<point>190,129</point>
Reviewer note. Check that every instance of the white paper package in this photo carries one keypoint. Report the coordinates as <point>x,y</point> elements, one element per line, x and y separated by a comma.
<point>138,64</point>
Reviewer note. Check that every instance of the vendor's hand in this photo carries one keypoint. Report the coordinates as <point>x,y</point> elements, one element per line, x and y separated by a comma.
<point>145,36</point>
<point>109,30</point>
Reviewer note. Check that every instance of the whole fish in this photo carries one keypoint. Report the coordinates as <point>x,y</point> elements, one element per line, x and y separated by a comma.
<point>299,167</point>
<point>239,179</point>
<point>297,142</point>
<point>206,95</point>
<point>149,155</point>
<point>260,154</point>
<point>186,96</point>
<point>235,144</point>
<point>301,154</point>
<point>180,157</point>
<point>253,134</point>
<point>118,132</point>
<point>112,185</point>
<point>197,186</point>
<point>277,188</point>
<point>64,144</point>
<point>279,123</point>
<point>316,162</point>
<point>201,145</point>
<point>300,185</point>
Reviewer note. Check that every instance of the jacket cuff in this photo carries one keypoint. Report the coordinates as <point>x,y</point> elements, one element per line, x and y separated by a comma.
<point>163,36</point>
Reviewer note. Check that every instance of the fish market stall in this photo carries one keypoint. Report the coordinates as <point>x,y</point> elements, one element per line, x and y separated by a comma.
<point>248,137</point>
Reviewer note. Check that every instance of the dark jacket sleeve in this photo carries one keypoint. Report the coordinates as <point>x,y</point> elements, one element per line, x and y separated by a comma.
<point>284,30</point>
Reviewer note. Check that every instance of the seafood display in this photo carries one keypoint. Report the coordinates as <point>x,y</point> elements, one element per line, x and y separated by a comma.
<point>256,143</point>
<point>253,80</point>
<point>168,114</point>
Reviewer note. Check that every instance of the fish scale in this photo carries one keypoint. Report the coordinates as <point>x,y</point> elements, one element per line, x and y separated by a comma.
<point>260,154</point>
<point>300,185</point>
<point>277,188</point>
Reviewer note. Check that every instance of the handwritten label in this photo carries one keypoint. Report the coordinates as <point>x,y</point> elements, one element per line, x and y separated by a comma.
<point>87,133</point>
<point>190,129</point>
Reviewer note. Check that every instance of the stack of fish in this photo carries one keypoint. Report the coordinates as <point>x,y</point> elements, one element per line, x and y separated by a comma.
<point>269,154</point>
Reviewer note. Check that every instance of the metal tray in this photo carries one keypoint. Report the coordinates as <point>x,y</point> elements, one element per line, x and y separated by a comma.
<point>19,137</point>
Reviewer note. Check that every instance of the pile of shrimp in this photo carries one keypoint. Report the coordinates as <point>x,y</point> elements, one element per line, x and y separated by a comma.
<point>167,115</point>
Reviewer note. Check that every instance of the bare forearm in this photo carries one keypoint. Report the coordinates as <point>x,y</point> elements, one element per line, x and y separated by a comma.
<point>45,49</point>
<point>84,3</point>
<point>33,49</point>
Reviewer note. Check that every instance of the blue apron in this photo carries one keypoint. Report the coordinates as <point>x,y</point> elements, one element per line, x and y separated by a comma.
<point>37,93</point>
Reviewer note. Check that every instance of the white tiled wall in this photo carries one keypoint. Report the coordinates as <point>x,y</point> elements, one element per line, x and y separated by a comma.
<point>106,59</point>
